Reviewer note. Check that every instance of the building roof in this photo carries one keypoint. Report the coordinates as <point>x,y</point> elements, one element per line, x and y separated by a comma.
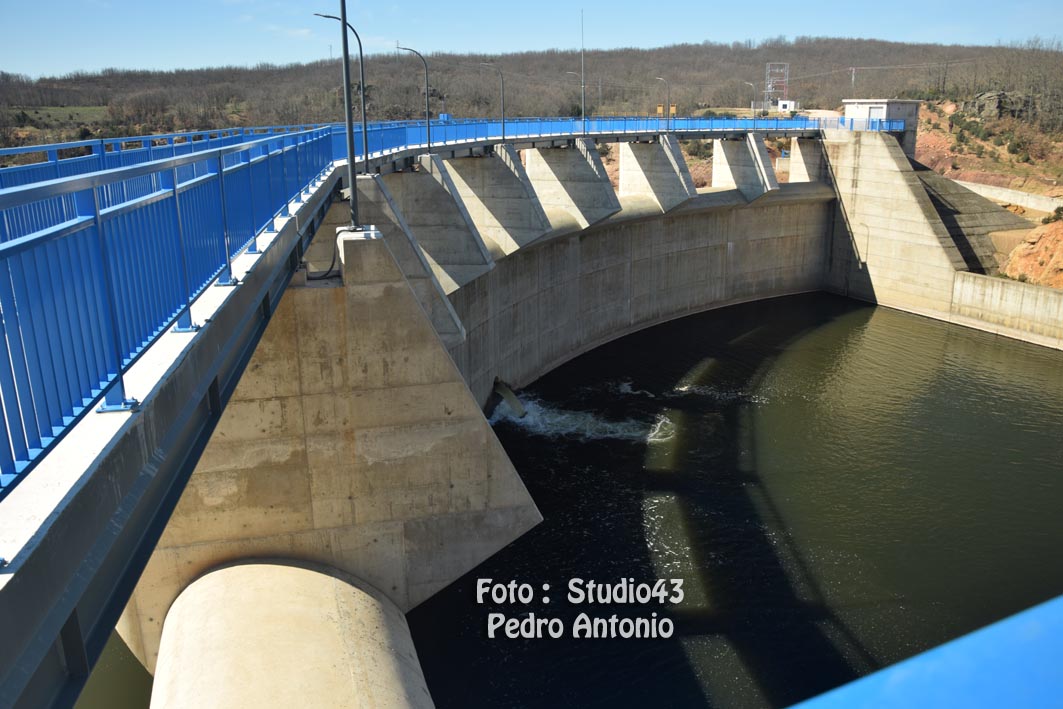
<point>881,100</point>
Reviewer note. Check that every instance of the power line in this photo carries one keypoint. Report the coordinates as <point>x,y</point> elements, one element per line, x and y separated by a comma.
<point>949,62</point>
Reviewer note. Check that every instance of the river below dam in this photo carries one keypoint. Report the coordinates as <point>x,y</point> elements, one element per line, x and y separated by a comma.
<point>838,487</point>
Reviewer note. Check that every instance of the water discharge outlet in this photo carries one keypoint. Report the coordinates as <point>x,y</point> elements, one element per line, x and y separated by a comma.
<point>503,392</point>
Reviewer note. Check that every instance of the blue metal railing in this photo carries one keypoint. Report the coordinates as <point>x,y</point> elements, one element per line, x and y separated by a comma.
<point>69,159</point>
<point>397,136</point>
<point>111,261</point>
<point>386,137</point>
<point>95,264</point>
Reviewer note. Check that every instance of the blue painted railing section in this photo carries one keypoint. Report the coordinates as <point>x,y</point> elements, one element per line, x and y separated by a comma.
<point>119,260</point>
<point>111,153</point>
<point>384,137</point>
<point>396,136</point>
<point>108,154</point>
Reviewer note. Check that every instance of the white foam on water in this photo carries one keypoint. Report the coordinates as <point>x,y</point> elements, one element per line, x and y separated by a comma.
<point>624,388</point>
<point>662,430</point>
<point>545,420</point>
<point>718,393</point>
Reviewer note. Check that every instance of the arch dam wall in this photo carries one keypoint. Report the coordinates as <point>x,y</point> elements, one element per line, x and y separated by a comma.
<point>356,441</point>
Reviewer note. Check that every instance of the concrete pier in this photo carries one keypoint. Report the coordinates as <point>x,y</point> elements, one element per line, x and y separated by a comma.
<point>378,207</point>
<point>434,214</point>
<point>500,199</point>
<point>656,170</point>
<point>572,184</point>
<point>278,635</point>
<point>743,165</point>
<point>806,161</point>
<point>351,441</point>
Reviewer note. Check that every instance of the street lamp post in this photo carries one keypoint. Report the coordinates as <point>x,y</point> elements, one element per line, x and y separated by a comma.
<point>752,106</point>
<point>502,82</point>
<point>348,121</point>
<point>361,91</point>
<point>427,113</point>
<point>582,74</point>
<point>667,104</point>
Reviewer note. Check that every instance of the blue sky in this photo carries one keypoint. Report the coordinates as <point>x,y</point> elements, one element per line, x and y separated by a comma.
<point>50,37</point>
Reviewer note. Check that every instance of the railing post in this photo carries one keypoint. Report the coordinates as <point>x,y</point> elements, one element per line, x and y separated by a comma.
<point>285,212</point>
<point>270,225</point>
<point>184,320</point>
<point>298,172</point>
<point>53,157</point>
<point>227,278</point>
<point>304,169</point>
<point>253,248</point>
<point>115,399</point>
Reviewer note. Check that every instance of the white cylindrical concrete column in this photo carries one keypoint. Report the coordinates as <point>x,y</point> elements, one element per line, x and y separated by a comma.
<point>270,635</point>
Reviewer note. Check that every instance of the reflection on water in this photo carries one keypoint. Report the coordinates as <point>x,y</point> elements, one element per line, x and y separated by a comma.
<point>839,486</point>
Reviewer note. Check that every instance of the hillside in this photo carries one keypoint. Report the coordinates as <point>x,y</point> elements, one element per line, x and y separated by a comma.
<point>621,81</point>
<point>1039,259</point>
<point>958,142</point>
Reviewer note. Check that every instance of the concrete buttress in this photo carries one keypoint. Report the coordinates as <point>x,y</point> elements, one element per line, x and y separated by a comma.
<point>572,184</point>
<point>352,441</point>
<point>806,161</point>
<point>378,208</point>
<point>745,165</point>
<point>656,170</point>
<point>438,220</point>
<point>500,200</point>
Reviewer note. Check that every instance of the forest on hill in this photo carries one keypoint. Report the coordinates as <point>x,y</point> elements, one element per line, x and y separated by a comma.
<point>703,77</point>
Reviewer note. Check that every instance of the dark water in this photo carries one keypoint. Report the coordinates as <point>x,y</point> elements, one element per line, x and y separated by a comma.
<point>839,486</point>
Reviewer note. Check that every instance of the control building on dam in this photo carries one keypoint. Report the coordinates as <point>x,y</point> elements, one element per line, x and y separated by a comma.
<point>344,471</point>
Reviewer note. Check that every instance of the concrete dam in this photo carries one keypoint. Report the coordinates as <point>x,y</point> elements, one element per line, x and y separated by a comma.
<point>352,474</point>
<point>375,462</point>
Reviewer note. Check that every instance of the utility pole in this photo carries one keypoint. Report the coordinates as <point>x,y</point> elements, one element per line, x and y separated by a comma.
<point>502,84</point>
<point>582,74</point>
<point>667,104</point>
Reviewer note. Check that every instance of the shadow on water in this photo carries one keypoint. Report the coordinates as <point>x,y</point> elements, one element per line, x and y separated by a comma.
<point>759,600</point>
